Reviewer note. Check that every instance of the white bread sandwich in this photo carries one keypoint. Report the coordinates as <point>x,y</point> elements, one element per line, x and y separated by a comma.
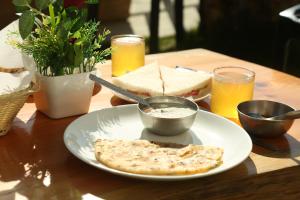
<point>144,81</point>
<point>184,83</point>
<point>155,80</point>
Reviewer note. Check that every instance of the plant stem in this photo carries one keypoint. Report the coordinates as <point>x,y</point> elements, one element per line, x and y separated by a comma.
<point>36,11</point>
<point>83,66</point>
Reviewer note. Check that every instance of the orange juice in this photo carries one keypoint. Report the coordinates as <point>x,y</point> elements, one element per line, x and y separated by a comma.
<point>128,53</point>
<point>231,86</point>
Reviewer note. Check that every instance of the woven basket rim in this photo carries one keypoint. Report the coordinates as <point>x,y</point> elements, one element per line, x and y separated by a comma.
<point>29,90</point>
<point>12,103</point>
<point>12,70</point>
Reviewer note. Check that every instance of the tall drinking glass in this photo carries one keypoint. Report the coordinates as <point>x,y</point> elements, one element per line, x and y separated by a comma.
<point>231,86</point>
<point>128,53</point>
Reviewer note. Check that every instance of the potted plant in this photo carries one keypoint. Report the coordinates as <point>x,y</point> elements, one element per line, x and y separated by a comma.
<point>65,48</point>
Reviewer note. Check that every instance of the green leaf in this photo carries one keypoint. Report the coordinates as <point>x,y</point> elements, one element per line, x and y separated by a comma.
<point>58,3</point>
<point>70,56</point>
<point>46,21</point>
<point>77,35</point>
<point>26,23</point>
<point>62,33</point>
<point>21,9</point>
<point>77,25</point>
<point>58,20</point>
<point>68,23</point>
<point>78,55</point>
<point>42,4</point>
<point>52,16</point>
<point>84,13</point>
<point>21,2</point>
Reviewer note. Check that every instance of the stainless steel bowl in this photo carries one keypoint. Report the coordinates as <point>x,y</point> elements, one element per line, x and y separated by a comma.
<point>167,126</point>
<point>252,113</point>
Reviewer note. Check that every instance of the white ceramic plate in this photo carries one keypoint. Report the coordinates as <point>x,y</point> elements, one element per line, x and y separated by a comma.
<point>123,122</point>
<point>202,94</point>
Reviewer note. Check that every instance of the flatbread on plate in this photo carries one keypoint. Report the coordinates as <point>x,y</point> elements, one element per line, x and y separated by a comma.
<point>145,157</point>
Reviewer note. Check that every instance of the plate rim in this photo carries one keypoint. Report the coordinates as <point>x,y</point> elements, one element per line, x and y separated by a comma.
<point>157,177</point>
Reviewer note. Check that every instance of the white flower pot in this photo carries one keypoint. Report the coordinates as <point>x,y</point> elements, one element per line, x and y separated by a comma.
<point>63,96</point>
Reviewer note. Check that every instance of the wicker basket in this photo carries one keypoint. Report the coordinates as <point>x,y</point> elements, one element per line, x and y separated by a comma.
<point>10,105</point>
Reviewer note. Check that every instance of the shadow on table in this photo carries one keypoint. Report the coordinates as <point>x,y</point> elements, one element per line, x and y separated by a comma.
<point>97,89</point>
<point>30,99</point>
<point>188,137</point>
<point>116,101</point>
<point>35,158</point>
<point>285,146</point>
<point>203,105</point>
<point>15,151</point>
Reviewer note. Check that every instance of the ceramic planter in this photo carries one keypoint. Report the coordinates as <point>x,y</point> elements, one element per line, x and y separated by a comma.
<point>63,96</point>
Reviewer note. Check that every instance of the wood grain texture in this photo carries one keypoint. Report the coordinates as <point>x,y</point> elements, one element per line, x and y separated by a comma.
<point>35,164</point>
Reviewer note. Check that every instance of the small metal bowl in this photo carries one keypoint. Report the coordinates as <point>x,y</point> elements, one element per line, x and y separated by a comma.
<point>168,126</point>
<point>252,113</point>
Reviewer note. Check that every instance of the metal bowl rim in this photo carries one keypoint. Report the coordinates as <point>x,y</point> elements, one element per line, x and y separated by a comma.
<point>174,118</point>
<point>260,119</point>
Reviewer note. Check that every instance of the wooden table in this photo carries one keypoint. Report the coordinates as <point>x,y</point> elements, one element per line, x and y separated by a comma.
<point>35,164</point>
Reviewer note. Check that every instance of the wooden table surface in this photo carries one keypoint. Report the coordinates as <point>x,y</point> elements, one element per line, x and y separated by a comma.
<point>35,164</point>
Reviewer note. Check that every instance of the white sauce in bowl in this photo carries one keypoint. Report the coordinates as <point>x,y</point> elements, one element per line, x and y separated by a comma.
<point>170,112</point>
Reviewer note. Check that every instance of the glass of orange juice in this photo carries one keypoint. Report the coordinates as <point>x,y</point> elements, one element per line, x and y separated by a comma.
<point>128,53</point>
<point>230,86</point>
